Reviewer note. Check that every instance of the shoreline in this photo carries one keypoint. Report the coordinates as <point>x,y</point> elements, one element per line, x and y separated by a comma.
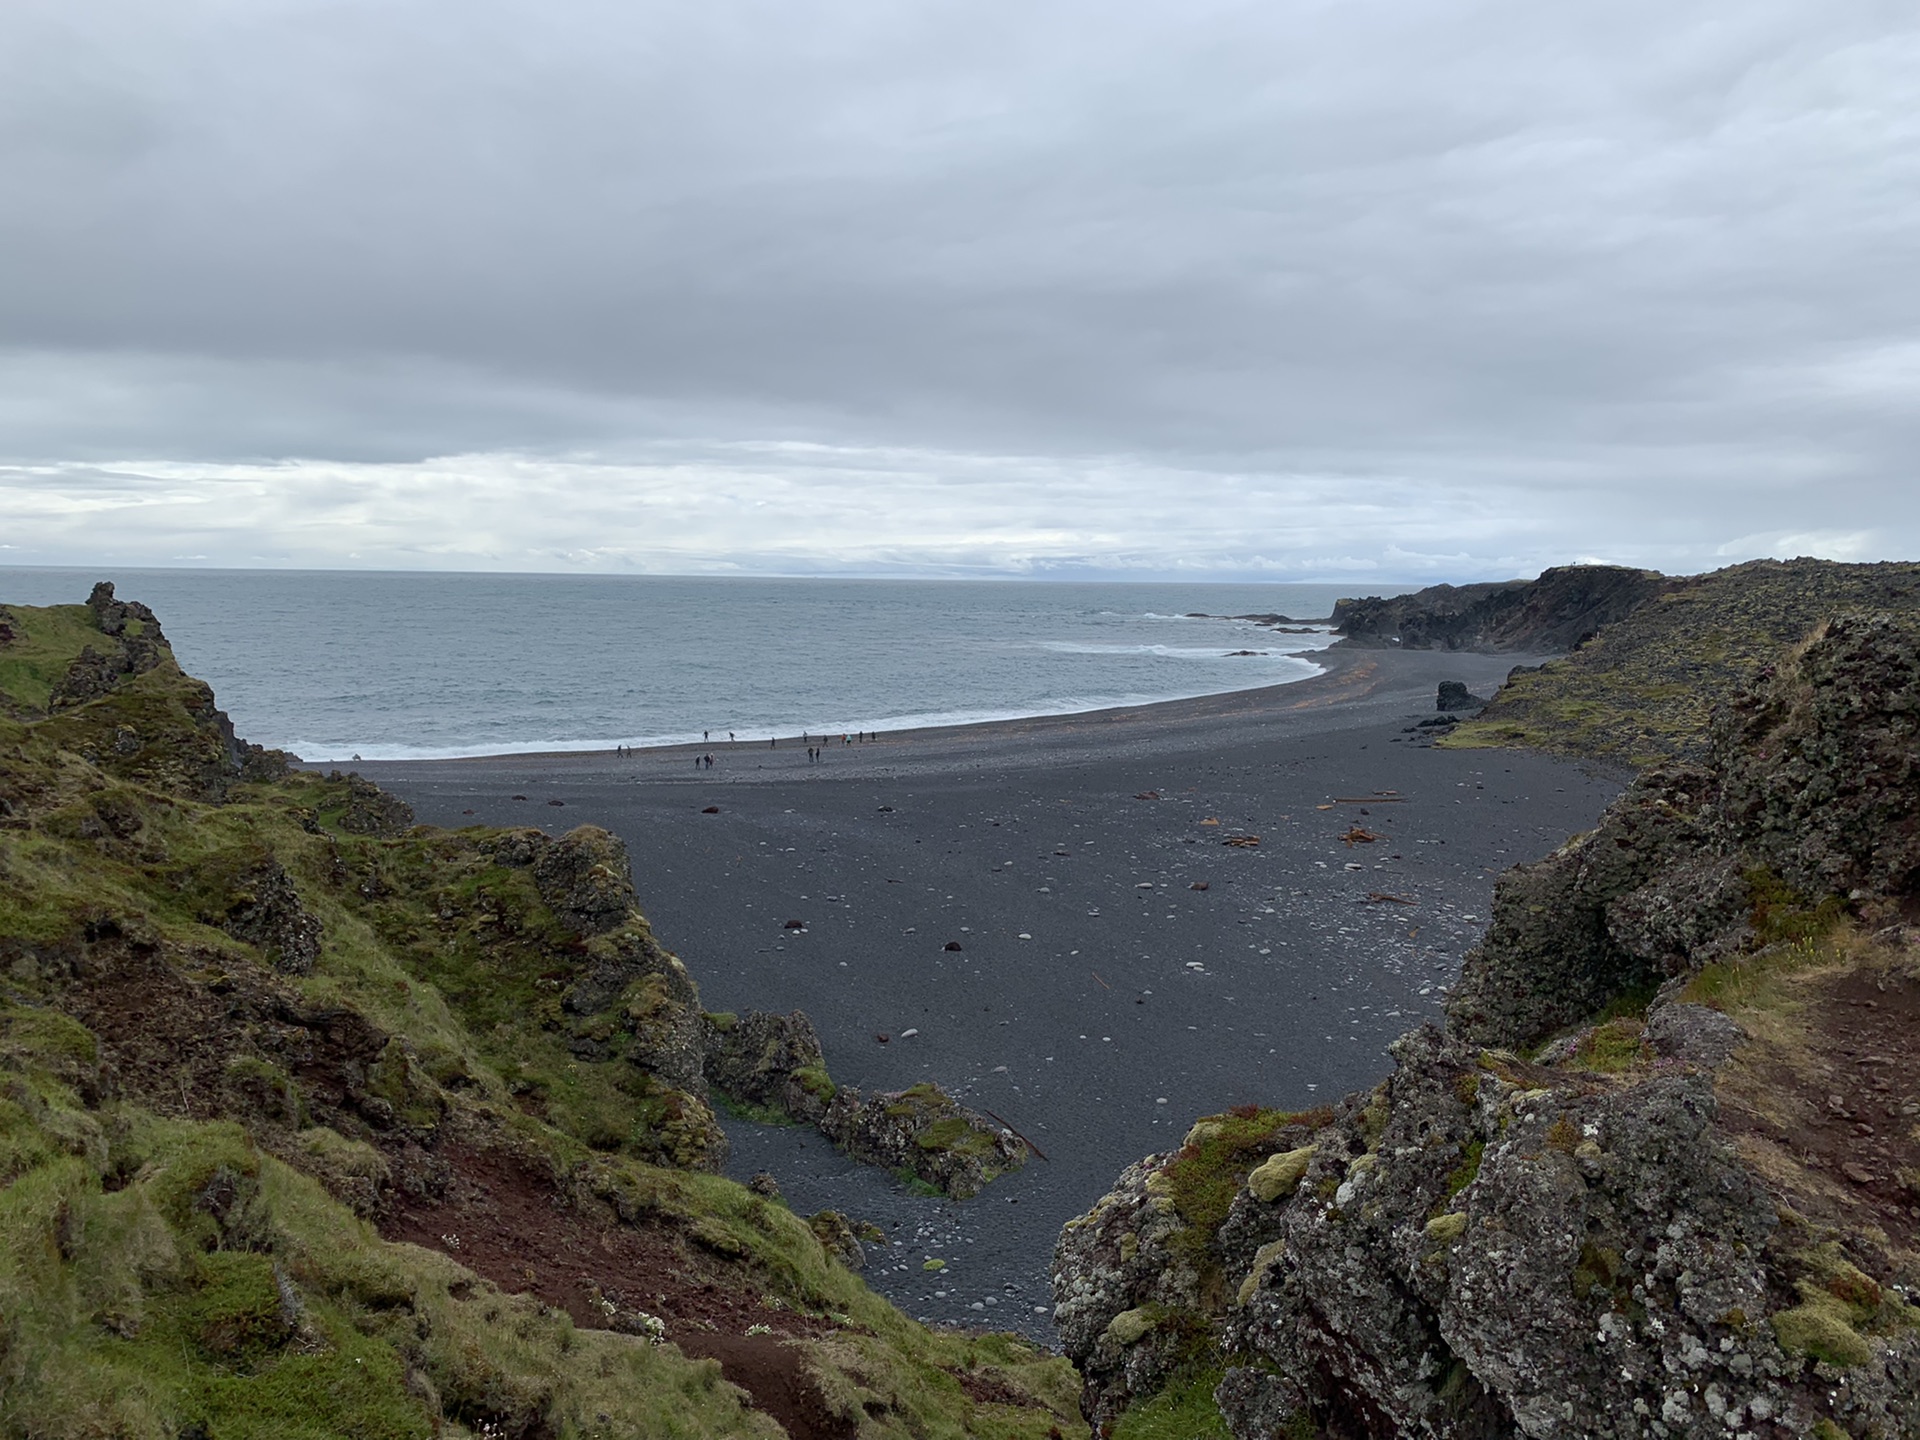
<point>1328,661</point>
<point>1349,680</point>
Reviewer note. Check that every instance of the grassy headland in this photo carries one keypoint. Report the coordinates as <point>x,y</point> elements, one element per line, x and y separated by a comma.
<point>1642,689</point>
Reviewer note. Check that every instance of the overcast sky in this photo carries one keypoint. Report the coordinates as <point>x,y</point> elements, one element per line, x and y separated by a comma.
<point>1361,288</point>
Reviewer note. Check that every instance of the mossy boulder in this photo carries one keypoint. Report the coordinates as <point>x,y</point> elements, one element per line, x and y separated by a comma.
<point>1279,1175</point>
<point>924,1132</point>
<point>769,1061</point>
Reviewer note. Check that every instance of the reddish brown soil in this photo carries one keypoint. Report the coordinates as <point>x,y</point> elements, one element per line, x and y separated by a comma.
<point>517,1229</point>
<point>1860,1111</point>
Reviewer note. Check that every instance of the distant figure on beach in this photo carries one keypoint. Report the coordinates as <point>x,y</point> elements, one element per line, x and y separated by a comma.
<point>772,743</point>
<point>705,735</point>
<point>729,737</point>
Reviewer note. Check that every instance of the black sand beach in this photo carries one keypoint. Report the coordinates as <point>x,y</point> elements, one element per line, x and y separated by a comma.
<point>1100,1001</point>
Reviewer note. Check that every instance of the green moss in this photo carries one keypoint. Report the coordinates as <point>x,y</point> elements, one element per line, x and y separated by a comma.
<point>1467,1171</point>
<point>1781,913</point>
<point>1600,1271</point>
<point>47,640</point>
<point>815,1081</point>
<point>1206,1175</point>
<point>1840,1306</point>
<point>1183,1410</point>
<point>1612,1047</point>
<point>1819,1329</point>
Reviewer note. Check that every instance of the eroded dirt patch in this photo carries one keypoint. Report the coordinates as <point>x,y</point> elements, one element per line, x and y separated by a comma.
<point>518,1229</point>
<point>1853,1119</point>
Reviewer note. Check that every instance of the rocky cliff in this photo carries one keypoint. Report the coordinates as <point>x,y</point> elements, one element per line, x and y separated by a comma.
<point>1643,689</point>
<point>1659,1175</point>
<point>1556,612</point>
<point>317,1122</point>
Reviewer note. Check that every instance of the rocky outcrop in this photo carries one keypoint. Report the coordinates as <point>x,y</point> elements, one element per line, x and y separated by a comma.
<point>773,1063</point>
<point>369,810</point>
<point>1808,797</point>
<point>925,1133</point>
<point>769,1061</point>
<point>1454,695</point>
<point>1678,1218</point>
<point>1556,612</point>
<point>265,910</point>
<point>1645,692</point>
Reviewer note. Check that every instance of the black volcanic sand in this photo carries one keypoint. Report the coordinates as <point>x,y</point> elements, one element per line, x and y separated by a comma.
<point>1099,1003</point>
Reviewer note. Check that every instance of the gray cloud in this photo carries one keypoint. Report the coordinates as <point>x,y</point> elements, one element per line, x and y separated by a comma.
<point>1421,288</point>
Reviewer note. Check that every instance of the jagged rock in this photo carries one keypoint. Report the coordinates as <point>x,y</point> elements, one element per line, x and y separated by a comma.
<point>1810,793</point>
<point>266,911</point>
<point>769,1060</point>
<point>1125,1258</point>
<point>111,615</point>
<point>1454,695</point>
<point>661,1010</point>
<point>1548,958</point>
<point>369,809</point>
<point>1558,611</point>
<point>762,1183</point>
<point>584,876</point>
<point>924,1132</point>
<point>1819,764</point>
<point>836,1237</point>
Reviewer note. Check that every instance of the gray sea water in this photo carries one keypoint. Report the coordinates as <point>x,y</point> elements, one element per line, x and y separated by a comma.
<point>334,665</point>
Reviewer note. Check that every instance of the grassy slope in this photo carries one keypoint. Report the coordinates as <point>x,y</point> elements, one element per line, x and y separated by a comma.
<point>1642,690</point>
<point>190,1230</point>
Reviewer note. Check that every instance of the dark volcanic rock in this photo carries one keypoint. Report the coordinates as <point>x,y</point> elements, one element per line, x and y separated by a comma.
<point>1453,695</point>
<point>769,1060</point>
<point>927,1133</point>
<point>266,911</point>
<point>1811,793</point>
<point>369,809</point>
<point>584,876</point>
<point>1819,765</point>
<point>1556,612</point>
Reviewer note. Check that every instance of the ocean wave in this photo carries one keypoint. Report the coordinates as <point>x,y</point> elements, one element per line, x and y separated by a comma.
<point>332,753</point>
<point>1172,652</point>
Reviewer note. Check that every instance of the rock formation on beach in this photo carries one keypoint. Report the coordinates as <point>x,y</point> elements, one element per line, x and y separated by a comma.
<point>1659,1173</point>
<point>317,1122</point>
<point>772,1064</point>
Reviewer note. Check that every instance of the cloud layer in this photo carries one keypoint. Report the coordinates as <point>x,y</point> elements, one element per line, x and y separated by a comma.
<point>1305,289</point>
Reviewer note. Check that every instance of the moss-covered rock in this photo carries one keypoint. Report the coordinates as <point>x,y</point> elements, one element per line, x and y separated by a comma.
<point>925,1133</point>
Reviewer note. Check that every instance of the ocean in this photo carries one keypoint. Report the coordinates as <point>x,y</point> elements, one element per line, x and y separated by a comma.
<point>337,665</point>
